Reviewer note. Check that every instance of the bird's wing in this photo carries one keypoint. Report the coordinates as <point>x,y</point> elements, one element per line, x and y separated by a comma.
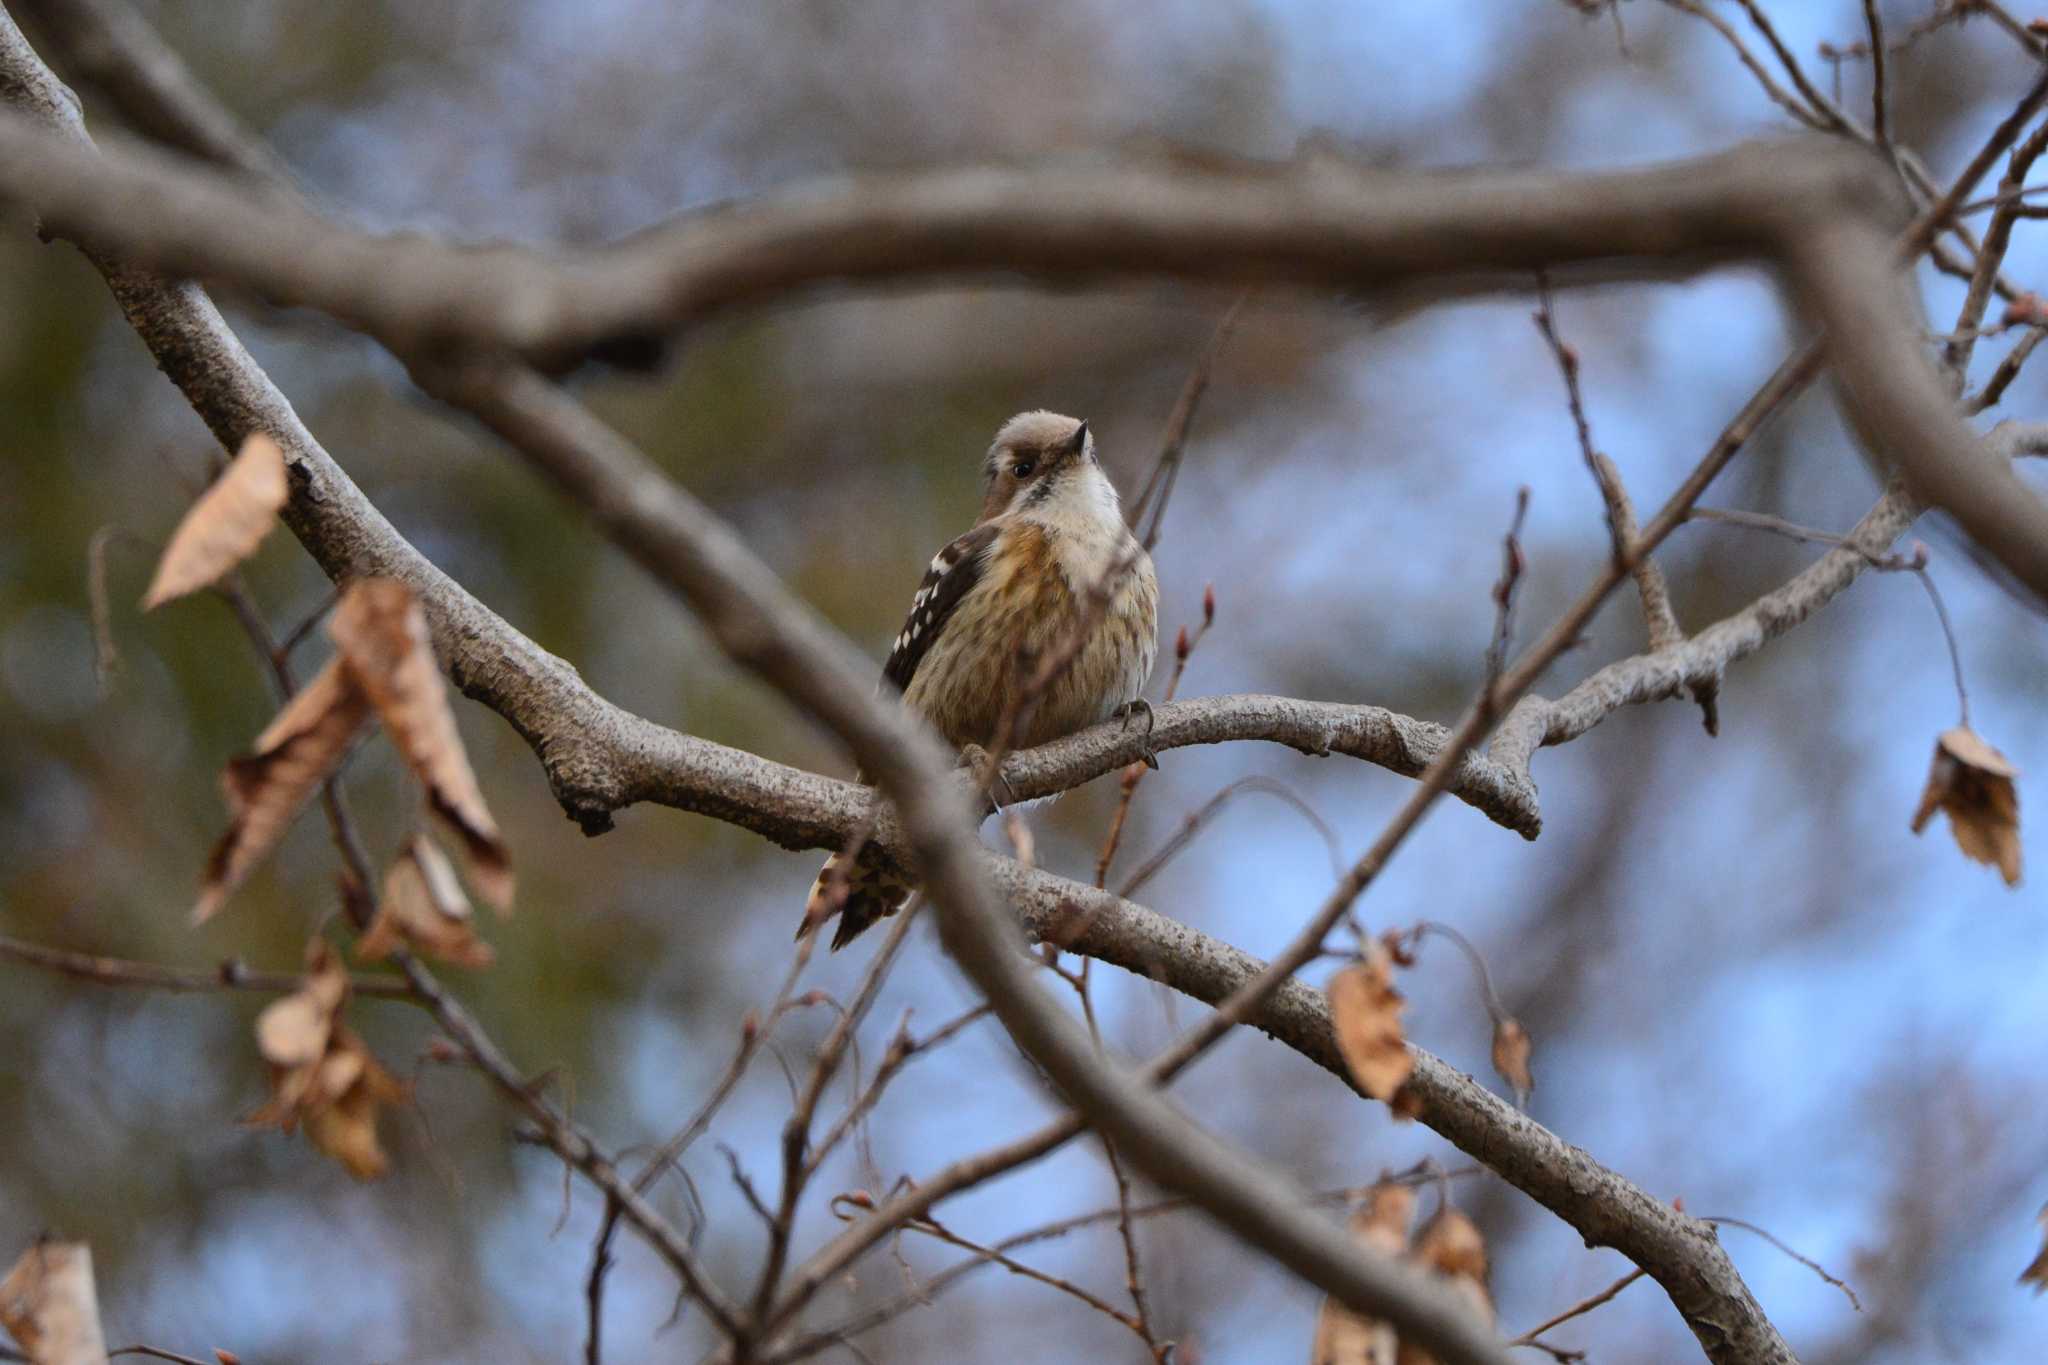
<point>954,571</point>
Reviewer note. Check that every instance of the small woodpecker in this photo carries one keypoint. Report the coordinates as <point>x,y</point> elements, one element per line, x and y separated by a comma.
<point>1016,586</point>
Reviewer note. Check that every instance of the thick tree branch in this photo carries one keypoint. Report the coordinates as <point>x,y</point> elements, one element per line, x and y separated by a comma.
<point>1661,674</point>
<point>1827,214</point>
<point>1320,222</point>
<point>1680,1252</point>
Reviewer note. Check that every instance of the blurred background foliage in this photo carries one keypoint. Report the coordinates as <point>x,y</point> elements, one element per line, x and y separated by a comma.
<point>1750,988</point>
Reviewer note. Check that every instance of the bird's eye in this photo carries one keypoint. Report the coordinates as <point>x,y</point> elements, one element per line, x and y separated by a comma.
<point>1022,469</point>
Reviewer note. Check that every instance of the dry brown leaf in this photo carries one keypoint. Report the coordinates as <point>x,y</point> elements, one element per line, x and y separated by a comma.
<point>345,1127</point>
<point>1511,1047</point>
<point>322,1076</point>
<point>266,789</point>
<point>293,1031</point>
<point>1973,782</point>
<point>1450,1244</point>
<point>48,1304</point>
<point>1366,1011</point>
<point>423,908</point>
<point>225,525</point>
<point>390,655</point>
<point>1343,1337</point>
<point>2036,1273</point>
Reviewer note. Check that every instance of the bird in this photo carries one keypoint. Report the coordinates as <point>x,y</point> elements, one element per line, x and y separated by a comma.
<point>1049,554</point>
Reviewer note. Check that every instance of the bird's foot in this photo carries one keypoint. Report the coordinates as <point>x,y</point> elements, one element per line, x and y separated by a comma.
<point>987,777</point>
<point>1131,708</point>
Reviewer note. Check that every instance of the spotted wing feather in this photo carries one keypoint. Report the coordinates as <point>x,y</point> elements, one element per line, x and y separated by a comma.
<point>953,572</point>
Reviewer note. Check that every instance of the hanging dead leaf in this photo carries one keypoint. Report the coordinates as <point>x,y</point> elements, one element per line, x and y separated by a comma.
<point>389,653</point>
<point>2036,1273</point>
<point>1450,1244</point>
<point>1511,1047</point>
<point>424,909</point>
<point>1973,782</point>
<point>50,1307</point>
<point>266,789</point>
<point>322,1077</point>
<point>1366,1011</point>
<point>225,525</point>
<point>345,1128</point>
<point>293,1030</point>
<point>1380,1224</point>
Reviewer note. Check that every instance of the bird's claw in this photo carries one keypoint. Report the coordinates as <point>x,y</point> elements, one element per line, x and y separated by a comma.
<point>987,777</point>
<point>1132,708</point>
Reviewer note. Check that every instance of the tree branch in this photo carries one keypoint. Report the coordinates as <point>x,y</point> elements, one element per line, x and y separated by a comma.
<point>1826,213</point>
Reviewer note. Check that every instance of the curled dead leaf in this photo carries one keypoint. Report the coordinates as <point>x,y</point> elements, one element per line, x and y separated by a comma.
<point>267,788</point>
<point>225,525</point>
<point>50,1307</point>
<point>1450,1245</point>
<point>423,907</point>
<point>389,654</point>
<point>1511,1048</point>
<point>322,1076</point>
<point>1379,1224</point>
<point>346,1127</point>
<point>1366,1011</point>
<point>1973,782</point>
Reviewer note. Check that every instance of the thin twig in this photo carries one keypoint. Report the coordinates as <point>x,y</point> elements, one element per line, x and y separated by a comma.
<point>106,654</point>
<point>297,635</point>
<point>1915,564</point>
<point>1208,810</point>
<point>1761,22</point>
<point>1997,237</point>
<point>1512,565</point>
<point>1495,1011</point>
<point>1775,92</point>
<point>230,975</point>
<point>1173,442</point>
<point>989,1254</point>
<point>2007,371</point>
<point>1815,1266</point>
<point>1880,116</point>
<point>1579,1309</point>
<point>1658,616</point>
<point>1184,645</point>
<point>156,1353</point>
<point>922,1295</point>
<point>601,1260</point>
<point>797,1167</point>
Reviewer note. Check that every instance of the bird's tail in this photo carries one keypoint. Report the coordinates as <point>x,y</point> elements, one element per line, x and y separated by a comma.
<point>860,891</point>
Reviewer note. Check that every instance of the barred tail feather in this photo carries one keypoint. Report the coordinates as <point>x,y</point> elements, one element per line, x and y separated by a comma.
<point>860,895</point>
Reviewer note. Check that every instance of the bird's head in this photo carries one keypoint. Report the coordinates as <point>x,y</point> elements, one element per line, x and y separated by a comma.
<point>1033,458</point>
